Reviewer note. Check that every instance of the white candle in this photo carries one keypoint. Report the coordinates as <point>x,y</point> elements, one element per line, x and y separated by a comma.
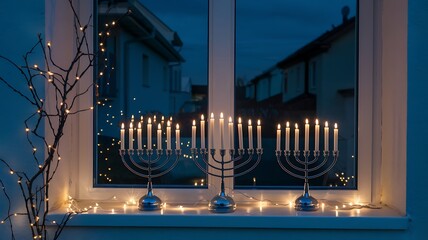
<point>159,136</point>
<point>307,135</point>
<point>296,138</point>
<point>317,135</point>
<point>240,137</point>
<point>287,137</point>
<point>335,137</point>
<point>278,138</point>
<point>326,137</point>
<point>149,134</point>
<point>122,137</point>
<point>194,134</point>
<point>231,137</point>
<point>221,120</point>
<point>211,131</point>
<point>177,137</point>
<point>202,132</point>
<point>168,135</point>
<point>139,137</point>
<point>131,136</point>
<point>250,135</point>
<point>259,135</point>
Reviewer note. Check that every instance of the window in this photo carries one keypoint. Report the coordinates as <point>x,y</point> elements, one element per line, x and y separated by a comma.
<point>221,59</point>
<point>160,53</point>
<point>322,36</point>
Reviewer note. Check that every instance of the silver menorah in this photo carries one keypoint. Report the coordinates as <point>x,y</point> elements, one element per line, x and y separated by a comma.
<point>222,203</point>
<point>310,164</point>
<point>148,163</point>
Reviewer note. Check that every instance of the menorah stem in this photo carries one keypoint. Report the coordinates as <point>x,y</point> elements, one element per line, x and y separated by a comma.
<point>149,201</point>
<point>222,203</point>
<point>306,202</point>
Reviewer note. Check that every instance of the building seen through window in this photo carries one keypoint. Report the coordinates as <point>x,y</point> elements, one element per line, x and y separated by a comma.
<point>294,60</point>
<point>297,61</point>
<point>146,74</point>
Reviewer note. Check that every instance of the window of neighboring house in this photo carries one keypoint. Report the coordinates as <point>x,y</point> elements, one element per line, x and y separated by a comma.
<point>313,74</point>
<point>161,47</point>
<point>146,71</point>
<point>285,81</point>
<point>323,30</point>
<point>298,80</point>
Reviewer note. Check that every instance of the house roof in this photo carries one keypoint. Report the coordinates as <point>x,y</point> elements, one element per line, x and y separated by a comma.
<point>319,45</point>
<point>145,26</point>
<point>313,48</point>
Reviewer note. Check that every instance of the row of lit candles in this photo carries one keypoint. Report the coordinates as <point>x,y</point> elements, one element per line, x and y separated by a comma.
<point>230,137</point>
<point>149,136</point>
<point>231,133</point>
<point>317,137</point>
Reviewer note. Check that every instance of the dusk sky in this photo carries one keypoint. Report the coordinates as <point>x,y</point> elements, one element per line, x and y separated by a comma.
<point>266,31</point>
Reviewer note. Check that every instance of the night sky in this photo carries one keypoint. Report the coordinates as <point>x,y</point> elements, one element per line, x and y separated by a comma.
<point>266,31</point>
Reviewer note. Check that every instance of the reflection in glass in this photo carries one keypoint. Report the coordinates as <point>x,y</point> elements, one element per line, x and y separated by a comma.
<point>297,60</point>
<point>154,65</point>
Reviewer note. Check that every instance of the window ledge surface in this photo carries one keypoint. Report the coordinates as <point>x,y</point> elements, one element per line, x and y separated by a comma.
<point>247,215</point>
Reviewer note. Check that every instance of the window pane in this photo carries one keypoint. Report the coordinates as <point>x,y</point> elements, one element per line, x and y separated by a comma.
<point>296,60</point>
<point>154,65</point>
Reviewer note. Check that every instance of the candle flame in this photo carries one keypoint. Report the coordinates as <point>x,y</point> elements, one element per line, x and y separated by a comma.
<point>230,119</point>
<point>297,126</point>
<point>221,115</point>
<point>194,123</point>
<point>249,122</point>
<point>239,120</point>
<point>123,125</point>
<point>150,121</point>
<point>279,126</point>
<point>316,121</point>
<point>202,117</point>
<point>141,118</point>
<point>177,126</point>
<point>168,124</point>
<point>288,124</point>
<point>258,122</point>
<point>130,125</point>
<point>335,125</point>
<point>139,125</point>
<point>212,115</point>
<point>326,124</point>
<point>159,126</point>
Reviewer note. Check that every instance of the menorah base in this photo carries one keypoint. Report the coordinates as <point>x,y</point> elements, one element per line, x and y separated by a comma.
<point>222,204</point>
<point>306,203</point>
<point>149,203</point>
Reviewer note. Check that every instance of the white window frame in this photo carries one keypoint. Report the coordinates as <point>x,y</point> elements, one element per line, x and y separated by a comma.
<point>78,151</point>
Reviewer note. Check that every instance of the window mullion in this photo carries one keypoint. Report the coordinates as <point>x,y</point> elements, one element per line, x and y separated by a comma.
<point>221,69</point>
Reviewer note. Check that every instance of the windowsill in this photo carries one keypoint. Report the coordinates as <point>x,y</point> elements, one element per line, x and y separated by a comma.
<point>247,215</point>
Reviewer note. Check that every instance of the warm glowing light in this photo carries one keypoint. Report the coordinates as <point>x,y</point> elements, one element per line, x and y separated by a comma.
<point>258,122</point>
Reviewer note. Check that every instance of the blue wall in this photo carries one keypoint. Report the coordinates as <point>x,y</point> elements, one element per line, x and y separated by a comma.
<point>417,117</point>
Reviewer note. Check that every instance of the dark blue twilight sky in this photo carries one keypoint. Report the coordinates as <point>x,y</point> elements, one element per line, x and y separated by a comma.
<point>266,31</point>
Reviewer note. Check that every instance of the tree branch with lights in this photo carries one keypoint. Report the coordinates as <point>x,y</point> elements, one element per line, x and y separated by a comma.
<point>63,81</point>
